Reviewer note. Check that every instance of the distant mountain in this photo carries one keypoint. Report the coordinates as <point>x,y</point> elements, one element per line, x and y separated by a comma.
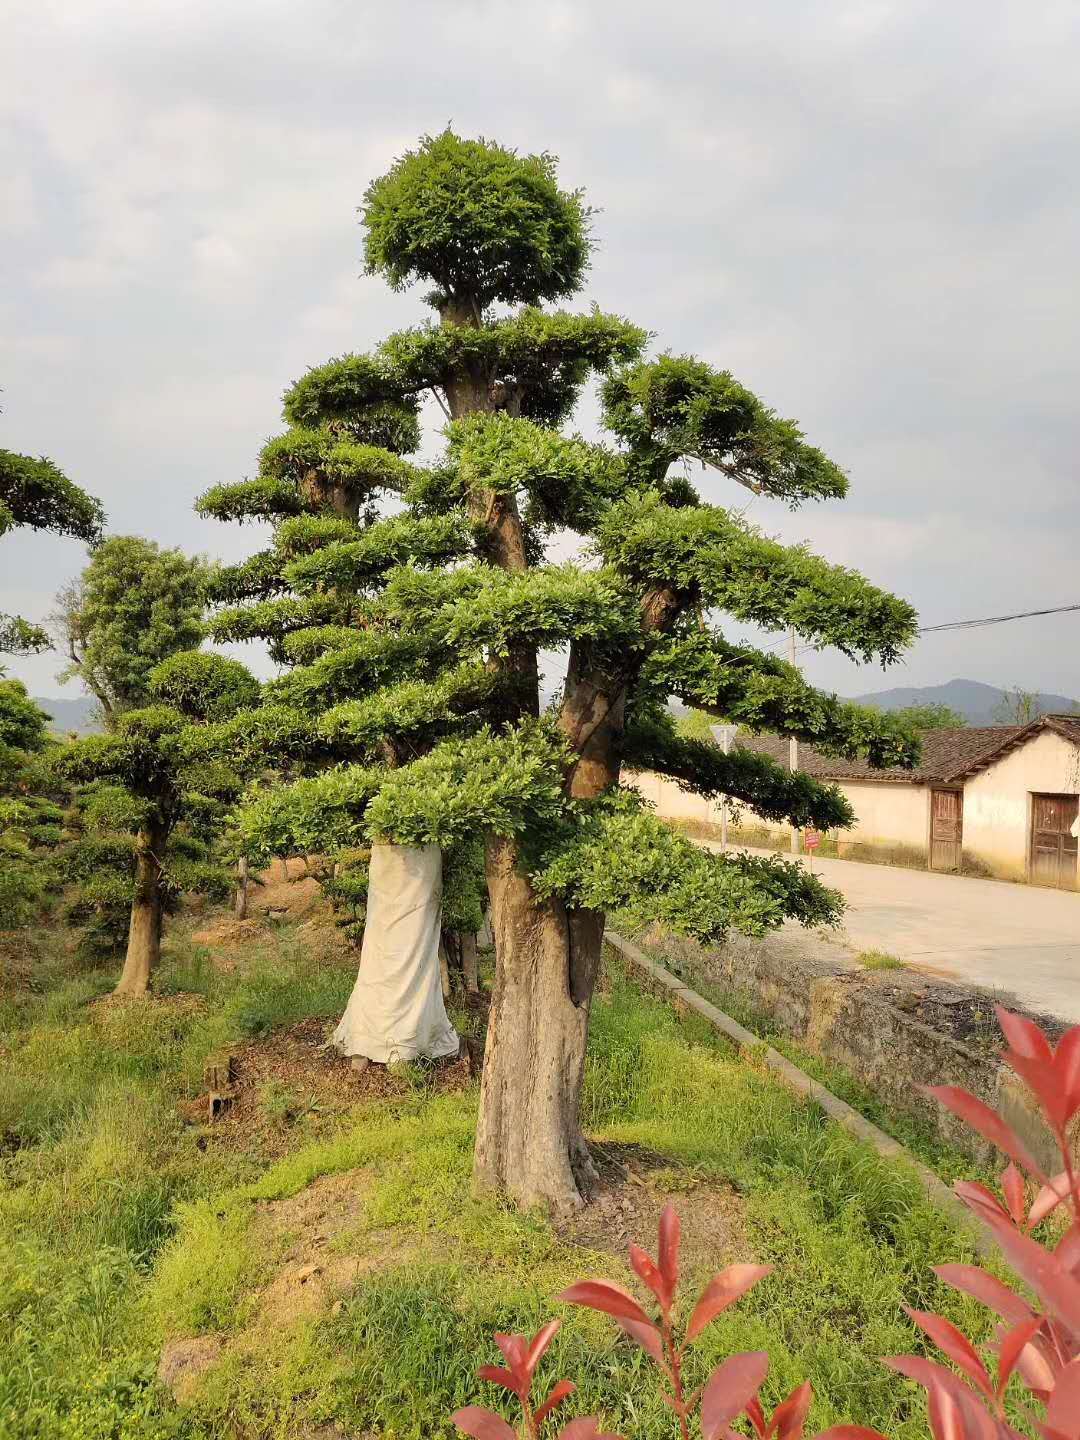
<point>979,704</point>
<point>80,713</point>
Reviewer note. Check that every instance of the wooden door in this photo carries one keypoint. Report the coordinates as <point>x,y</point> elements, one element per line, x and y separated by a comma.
<point>1053,845</point>
<point>946,829</point>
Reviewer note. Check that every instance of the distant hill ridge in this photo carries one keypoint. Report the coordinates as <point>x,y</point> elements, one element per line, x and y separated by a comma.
<point>80,713</point>
<point>979,704</point>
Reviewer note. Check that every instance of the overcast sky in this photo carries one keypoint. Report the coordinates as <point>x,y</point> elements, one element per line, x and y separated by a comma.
<point>868,211</point>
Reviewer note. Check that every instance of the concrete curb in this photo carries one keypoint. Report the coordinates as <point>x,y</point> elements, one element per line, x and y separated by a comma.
<point>802,1084</point>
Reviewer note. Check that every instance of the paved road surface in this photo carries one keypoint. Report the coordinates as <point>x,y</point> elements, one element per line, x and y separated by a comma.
<point>1020,939</point>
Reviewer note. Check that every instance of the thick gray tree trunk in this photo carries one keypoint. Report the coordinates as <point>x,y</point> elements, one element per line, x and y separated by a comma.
<point>529,1142</point>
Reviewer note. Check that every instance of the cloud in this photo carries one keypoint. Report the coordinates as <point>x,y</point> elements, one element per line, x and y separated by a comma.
<point>866,209</point>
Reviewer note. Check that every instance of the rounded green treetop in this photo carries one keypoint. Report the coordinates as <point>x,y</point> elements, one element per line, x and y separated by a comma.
<point>481,221</point>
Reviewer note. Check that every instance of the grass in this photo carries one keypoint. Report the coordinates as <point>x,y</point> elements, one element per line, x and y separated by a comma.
<point>879,960</point>
<point>117,1230</point>
<point>909,1128</point>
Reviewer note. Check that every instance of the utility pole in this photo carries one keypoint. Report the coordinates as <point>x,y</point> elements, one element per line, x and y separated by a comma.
<point>793,750</point>
<point>724,736</point>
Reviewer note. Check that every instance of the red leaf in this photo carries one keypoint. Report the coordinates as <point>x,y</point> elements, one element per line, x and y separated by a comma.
<point>956,1346</point>
<point>1067,1065</point>
<point>1042,1078</point>
<point>482,1424</point>
<point>1049,1198</point>
<point>514,1350</point>
<point>604,1295</point>
<point>1055,1286</point>
<point>732,1385</point>
<point>849,1432</point>
<point>988,1123</point>
<point>723,1290</point>
<point>645,1269</point>
<point>1067,1250</point>
<point>756,1415</point>
<point>1035,1367</point>
<point>498,1376</point>
<point>539,1344</point>
<point>1063,1407</point>
<point>987,1289</point>
<point>1011,1348</point>
<point>557,1396</point>
<point>1012,1183</point>
<point>586,1427</point>
<point>978,1198</point>
<point>667,1252</point>
<point>789,1417</point>
<point>648,1337</point>
<point>1023,1035</point>
<point>954,1413</point>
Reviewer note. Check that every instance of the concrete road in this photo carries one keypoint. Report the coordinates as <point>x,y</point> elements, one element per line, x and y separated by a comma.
<point>1020,939</point>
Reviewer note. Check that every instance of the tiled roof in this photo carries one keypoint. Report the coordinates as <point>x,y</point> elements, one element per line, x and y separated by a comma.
<point>947,755</point>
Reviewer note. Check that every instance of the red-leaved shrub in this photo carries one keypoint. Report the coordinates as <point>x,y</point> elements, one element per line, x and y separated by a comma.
<point>1037,1340</point>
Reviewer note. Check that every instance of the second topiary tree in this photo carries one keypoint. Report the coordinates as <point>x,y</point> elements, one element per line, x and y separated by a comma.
<point>432,677</point>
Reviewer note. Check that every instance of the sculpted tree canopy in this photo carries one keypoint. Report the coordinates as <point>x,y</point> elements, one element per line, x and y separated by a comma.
<point>36,494</point>
<point>413,601</point>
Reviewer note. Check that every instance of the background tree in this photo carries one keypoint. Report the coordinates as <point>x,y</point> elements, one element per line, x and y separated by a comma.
<point>30,816</point>
<point>443,662</point>
<point>932,716</point>
<point>151,780</point>
<point>133,606</point>
<point>1017,707</point>
<point>36,494</point>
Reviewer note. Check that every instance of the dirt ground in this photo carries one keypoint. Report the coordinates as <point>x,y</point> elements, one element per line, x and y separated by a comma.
<point>292,1076</point>
<point>635,1185</point>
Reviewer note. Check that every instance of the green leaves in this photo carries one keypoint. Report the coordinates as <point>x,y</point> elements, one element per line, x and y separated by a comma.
<point>352,565</point>
<point>567,481</point>
<point>763,692</point>
<point>309,817</point>
<point>203,686</point>
<point>359,399</point>
<point>479,220</point>
<point>484,606</point>
<point>701,766</point>
<point>134,606</point>
<point>537,359</point>
<point>709,556</point>
<point>413,710</point>
<point>502,783</point>
<point>678,408</point>
<point>616,855</point>
<point>36,493</point>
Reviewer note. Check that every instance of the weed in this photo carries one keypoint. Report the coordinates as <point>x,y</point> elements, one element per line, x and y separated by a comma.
<point>879,960</point>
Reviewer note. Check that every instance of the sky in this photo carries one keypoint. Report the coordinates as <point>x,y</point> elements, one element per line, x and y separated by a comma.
<point>866,210</point>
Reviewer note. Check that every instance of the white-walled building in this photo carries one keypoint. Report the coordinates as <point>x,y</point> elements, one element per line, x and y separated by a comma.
<point>1001,800</point>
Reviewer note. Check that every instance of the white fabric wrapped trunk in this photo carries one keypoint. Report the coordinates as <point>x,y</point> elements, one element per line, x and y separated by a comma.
<point>396,1010</point>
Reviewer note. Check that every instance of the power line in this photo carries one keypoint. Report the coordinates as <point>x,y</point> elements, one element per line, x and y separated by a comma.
<point>997,619</point>
<point>947,625</point>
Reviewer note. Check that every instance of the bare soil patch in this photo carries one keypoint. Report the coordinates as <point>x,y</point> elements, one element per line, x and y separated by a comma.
<point>320,1249</point>
<point>294,1077</point>
<point>635,1185</point>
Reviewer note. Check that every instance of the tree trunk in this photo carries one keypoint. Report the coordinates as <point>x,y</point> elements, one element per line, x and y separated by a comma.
<point>144,932</point>
<point>470,964</point>
<point>241,888</point>
<point>529,1143</point>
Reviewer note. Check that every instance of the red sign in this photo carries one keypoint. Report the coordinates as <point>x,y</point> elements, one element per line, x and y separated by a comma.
<point>812,839</point>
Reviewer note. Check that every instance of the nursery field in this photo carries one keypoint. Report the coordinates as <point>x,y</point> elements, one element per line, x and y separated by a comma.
<point>313,1263</point>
